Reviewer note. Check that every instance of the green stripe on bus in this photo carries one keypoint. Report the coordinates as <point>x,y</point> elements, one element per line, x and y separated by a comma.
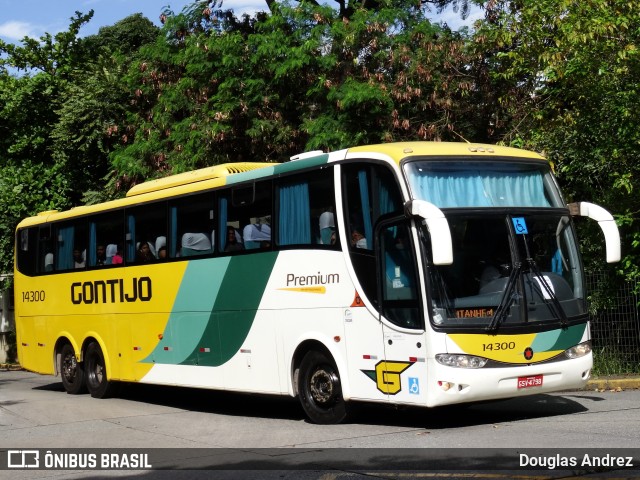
<point>214,310</point>
<point>558,339</point>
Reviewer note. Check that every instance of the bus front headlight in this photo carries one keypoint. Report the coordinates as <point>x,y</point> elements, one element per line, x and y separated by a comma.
<point>579,350</point>
<point>460,361</point>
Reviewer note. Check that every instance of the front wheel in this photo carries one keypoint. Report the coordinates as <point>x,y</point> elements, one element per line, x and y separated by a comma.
<point>96,372</point>
<point>71,371</point>
<point>320,391</point>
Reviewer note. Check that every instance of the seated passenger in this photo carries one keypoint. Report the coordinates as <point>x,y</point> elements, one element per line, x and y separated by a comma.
<point>234,241</point>
<point>195,244</point>
<point>78,258</point>
<point>358,240</point>
<point>117,258</point>
<point>101,255</point>
<point>327,228</point>
<point>110,252</point>
<point>256,236</point>
<point>144,254</point>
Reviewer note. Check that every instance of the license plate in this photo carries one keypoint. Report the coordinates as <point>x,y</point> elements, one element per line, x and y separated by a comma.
<point>531,381</point>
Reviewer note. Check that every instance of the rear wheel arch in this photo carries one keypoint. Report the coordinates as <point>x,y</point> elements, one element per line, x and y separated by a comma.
<point>299,354</point>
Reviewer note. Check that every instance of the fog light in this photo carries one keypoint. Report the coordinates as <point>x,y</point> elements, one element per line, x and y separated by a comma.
<point>579,350</point>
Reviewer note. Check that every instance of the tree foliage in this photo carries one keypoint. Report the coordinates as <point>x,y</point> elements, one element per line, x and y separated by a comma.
<point>572,71</point>
<point>216,88</point>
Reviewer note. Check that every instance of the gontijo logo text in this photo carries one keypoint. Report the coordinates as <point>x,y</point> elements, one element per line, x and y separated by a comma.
<point>116,290</point>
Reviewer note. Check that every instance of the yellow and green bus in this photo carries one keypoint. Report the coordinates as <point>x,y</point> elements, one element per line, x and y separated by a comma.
<point>415,273</point>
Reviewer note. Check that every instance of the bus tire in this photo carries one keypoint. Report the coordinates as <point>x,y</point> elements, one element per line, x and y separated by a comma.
<point>71,371</point>
<point>96,372</point>
<point>320,390</point>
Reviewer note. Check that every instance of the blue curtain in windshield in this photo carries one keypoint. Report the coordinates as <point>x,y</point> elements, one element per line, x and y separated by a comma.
<point>295,215</point>
<point>481,189</point>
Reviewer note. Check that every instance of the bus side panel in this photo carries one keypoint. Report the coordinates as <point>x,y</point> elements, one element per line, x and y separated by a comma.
<point>255,367</point>
<point>27,344</point>
<point>308,293</point>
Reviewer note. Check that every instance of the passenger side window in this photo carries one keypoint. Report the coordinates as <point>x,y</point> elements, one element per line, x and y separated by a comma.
<point>193,227</point>
<point>307,210</point>
<point>370,191</point>
<point>27,243</point>
<point>245,218</point>
<point>106,232</point>
<point>145,227</point>
<point>71,245</point>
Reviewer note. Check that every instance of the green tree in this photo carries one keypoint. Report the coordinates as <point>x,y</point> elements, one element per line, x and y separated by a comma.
<point>125,36</point>
<point>570,73</point>
<point>55,118</point>
<point>56,55</point>
<point>215,88</point>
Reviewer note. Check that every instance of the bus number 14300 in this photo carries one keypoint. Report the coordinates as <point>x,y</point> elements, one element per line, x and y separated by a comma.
<point>498,346</point>
<point>33,296</point>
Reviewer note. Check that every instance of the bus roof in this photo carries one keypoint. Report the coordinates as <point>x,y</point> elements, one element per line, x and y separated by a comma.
<point>199,175</point>
<point>231,173</point>
<point>402,150</point>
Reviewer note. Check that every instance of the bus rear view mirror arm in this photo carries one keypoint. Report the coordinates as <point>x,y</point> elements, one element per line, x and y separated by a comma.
<point>607,224</point>
<point>438,228</point>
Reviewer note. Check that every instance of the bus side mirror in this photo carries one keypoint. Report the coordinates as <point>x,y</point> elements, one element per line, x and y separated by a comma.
<point>607,224</point>
<point>438,228</point>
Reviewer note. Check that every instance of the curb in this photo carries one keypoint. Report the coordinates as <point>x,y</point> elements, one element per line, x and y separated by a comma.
<point>613,383</point>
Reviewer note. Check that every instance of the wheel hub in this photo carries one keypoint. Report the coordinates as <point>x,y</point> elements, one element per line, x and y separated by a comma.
<point>69,367</point>
<point>323,386</point>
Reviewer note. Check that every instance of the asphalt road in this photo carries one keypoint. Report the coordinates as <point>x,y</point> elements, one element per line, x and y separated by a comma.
<point>188,428</point>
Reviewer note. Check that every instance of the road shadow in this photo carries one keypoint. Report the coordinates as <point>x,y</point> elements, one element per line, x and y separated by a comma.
<point>286,408</point>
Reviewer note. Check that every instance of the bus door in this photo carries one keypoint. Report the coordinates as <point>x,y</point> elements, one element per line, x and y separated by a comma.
<point>403,374</point>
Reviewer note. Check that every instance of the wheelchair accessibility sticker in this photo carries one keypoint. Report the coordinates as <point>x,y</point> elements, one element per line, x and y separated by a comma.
<point>520,225</point>
<point>414,386</point>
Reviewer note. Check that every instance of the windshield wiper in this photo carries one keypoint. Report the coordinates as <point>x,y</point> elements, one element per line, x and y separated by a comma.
<point>507,299</point>
<point>551,300</point>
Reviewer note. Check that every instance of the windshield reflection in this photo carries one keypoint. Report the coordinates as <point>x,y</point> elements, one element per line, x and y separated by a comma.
<point>504,277</point>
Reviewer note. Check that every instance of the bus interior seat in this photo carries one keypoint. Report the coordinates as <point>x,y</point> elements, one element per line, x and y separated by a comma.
<point>161,241</point>
<point>110,252</point>
<point>48,262</point>
<point>327,227</point>
<point>195,244</point>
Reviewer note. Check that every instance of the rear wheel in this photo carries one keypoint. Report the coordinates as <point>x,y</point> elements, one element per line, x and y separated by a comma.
<point>71,371</point>
<point>320,391</point>
<point>96,372</point>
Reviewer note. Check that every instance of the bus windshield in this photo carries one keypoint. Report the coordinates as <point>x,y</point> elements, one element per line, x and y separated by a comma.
<point>515,256</point>
<point>501,276</point>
